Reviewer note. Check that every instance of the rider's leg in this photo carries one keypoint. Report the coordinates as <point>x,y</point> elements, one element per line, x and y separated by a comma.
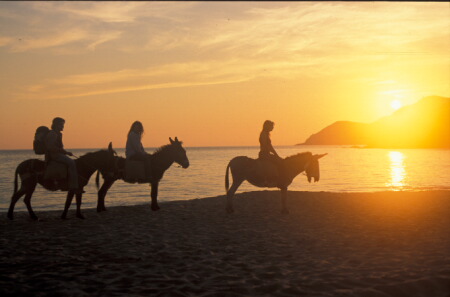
<point>73,176</point>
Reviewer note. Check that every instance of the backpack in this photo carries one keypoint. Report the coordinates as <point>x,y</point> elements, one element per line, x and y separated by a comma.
<point>39,140</point>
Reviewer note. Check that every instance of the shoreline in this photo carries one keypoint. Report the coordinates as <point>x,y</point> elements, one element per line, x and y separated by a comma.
<point>392,243</point>
<point>37,210</point>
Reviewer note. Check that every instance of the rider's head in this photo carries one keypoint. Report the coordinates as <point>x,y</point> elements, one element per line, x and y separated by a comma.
<point>268,126</point>
<point>58,124</point>
<point>137,127</point>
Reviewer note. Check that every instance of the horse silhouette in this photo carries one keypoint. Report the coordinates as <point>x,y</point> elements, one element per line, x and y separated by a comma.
<point>244,168</point>
<point>160,161</point>
<point>32,172</point>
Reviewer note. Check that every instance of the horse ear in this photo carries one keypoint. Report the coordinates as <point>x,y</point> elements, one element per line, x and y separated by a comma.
<point>171,141</point>
<point>176,139</point>
<point>320,156</point>
<point>110,146</point>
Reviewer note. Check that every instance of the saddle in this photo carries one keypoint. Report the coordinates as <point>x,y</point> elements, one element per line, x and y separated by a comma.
<point>134,172</point>
<point>268,171</point>
<point>56,171</point>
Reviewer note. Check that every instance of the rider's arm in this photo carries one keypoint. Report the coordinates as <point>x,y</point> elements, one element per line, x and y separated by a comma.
<point>271,149</point>
<point>135,143</point>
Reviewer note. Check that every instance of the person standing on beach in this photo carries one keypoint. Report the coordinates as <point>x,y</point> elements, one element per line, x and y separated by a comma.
<point>267,153</point>
<point>55,152</point>
<point>135,150</point>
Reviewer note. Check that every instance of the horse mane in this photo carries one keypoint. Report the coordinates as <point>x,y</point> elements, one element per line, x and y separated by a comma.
<point>303,155</point>
<point>164,147</point>
<point>160,149</point>
<point>88,154</point>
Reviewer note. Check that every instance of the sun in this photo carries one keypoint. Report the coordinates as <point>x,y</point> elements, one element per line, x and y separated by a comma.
<point>396,104</point>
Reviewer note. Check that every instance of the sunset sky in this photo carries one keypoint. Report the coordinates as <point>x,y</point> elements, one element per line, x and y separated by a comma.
<point>210,73</point>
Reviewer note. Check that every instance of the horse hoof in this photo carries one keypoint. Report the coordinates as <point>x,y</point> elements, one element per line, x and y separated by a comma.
<point>155,207</point>
<point>10,216</point>
<point>34,218</point>
<point>80,216</point>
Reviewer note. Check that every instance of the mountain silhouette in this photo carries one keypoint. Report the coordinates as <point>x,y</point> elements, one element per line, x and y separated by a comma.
<point>425,124</point>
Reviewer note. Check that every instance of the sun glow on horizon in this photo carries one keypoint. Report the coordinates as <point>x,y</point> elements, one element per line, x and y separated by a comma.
<point>396,104</point>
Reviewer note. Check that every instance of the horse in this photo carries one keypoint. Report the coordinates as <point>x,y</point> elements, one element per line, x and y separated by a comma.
<point>32,172</point>
<point>160,161</point>
<point>245,168</point>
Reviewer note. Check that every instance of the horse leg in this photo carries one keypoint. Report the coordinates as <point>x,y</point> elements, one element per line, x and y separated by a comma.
<point>27,201</point>
<point>230,194</point>
<point>67,205</point>
<point>79,199</point>
<point>102,194</point>
<point>15,197</point>
<point>154,195</point>
<point>284,209</point>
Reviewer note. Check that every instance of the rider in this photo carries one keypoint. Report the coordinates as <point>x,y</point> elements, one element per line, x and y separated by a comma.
<point>267,153</point>
<point>134,148</point>
<point>55,151</point>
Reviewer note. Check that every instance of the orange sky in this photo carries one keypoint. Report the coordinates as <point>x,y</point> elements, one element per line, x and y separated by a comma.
<point>210,73</point>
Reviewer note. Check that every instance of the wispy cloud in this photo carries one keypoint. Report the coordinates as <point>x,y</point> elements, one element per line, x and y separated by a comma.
<point>112,12</point>
<point>211,43</point>
<point>166,76</point>
<point>58,39</point>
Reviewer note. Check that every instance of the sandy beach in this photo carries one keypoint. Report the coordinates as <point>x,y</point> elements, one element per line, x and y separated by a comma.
<point>331,244</point>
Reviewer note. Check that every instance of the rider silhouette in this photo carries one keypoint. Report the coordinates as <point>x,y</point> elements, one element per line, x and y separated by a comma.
<point>55,151</point>
<point>267,154</point>
<point>134,149</point>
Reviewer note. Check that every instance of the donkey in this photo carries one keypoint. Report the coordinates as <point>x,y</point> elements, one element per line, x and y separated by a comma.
<point>160,161</point>
<point>32,172</point>
<point>244,168</point>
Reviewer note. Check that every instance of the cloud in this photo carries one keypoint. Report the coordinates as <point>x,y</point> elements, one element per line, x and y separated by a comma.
<point>103,38</point>
<point>165,76</point>
<point>4,41</point>
<point>113,12</point>
<point>202,43</point>
<point>58,39</point>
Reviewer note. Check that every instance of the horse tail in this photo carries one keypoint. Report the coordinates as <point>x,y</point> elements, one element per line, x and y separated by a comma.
<point>227,180</point>
<point>97,180</point>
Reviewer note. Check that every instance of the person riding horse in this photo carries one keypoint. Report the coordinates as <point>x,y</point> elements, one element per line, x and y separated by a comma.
<point>55,152</point>
<point>268,157</point>
<point>135,150</point>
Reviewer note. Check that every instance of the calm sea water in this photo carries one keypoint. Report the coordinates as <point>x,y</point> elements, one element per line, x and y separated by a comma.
<point>344,169</point>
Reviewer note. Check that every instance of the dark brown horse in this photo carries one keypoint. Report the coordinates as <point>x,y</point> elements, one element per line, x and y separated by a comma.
<point>160,161</point>
<point>32,171</point>
<point>244,168</point>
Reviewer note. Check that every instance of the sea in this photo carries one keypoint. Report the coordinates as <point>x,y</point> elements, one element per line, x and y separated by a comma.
<point>343,169</point>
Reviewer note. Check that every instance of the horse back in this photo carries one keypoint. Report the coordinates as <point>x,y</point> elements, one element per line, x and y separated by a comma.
<point>30,166</point>
<point>240,166</point>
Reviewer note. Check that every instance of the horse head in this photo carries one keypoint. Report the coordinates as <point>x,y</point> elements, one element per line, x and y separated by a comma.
<point>111,162</point>
<point>312,168</point>
<point>104,160</point>
<point>178,153</point>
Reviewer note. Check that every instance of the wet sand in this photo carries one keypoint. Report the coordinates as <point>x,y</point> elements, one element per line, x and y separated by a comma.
<point>331,244</point>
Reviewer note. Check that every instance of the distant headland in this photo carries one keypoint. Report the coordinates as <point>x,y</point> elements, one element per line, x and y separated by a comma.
<point>425,124</point>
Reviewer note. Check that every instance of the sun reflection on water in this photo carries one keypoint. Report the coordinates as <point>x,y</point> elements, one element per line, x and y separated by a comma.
<point>398,172</point>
